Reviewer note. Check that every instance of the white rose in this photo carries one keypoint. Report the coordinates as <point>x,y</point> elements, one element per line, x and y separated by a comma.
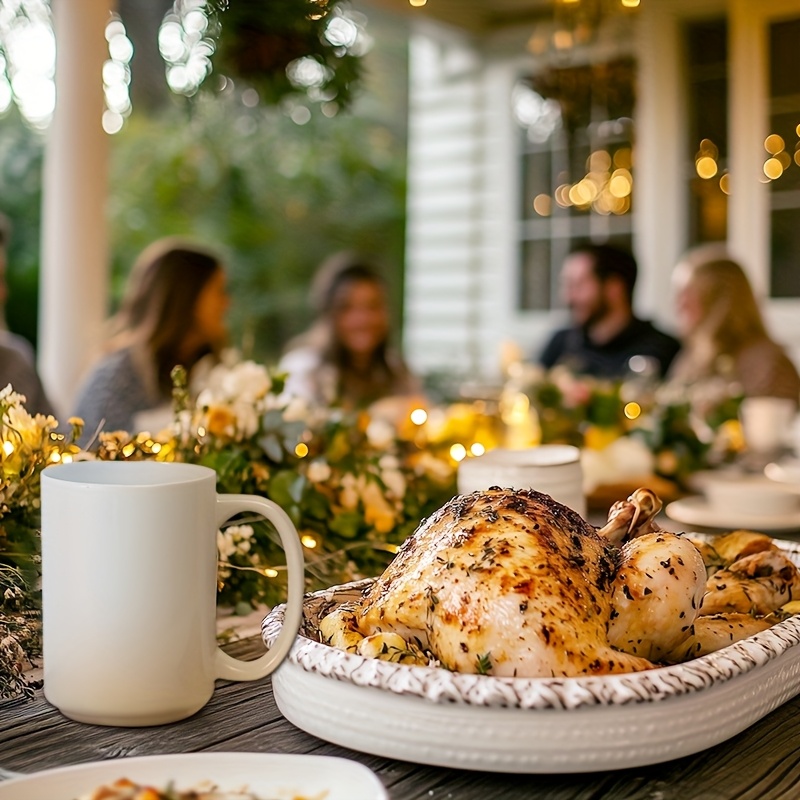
<point>380,433</point>
<point>318,472</point>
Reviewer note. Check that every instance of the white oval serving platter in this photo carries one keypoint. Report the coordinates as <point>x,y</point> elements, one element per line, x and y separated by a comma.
<point>529,725</point>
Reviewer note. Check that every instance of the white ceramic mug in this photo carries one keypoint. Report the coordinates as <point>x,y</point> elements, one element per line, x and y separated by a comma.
<point>129,573</point>
<point>554,469</point>
<point>767,422</point>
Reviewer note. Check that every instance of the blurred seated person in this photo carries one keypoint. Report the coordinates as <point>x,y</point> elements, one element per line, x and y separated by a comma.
<point>597,282</point>
<point>17,369</point>
<point>723,332</point>
<point>345,358</point>
<point>7,338</point>
<point>173,312</point>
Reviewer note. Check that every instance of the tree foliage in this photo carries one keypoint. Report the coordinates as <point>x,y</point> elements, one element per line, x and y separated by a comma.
<point>276,196</point>
<point>277,188</point>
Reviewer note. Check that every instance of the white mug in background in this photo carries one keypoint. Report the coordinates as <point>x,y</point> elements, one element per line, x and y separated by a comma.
<point>129,574</point>
<point>767,422</point>
<point>554,469</point>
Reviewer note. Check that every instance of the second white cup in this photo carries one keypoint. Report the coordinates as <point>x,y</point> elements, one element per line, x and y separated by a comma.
<point>553,469</point>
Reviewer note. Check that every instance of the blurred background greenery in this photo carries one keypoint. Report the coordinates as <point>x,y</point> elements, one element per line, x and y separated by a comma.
<point>276,190</point>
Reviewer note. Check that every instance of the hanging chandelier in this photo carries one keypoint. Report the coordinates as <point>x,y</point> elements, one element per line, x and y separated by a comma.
<point>579,23</point>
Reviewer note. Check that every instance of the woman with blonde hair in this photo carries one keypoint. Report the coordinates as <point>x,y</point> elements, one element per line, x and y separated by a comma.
<point>723,334</point>
<point>173,312</point>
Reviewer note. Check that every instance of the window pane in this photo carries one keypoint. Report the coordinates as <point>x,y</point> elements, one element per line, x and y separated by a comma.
<point>536,285</point>
<point>782,158</point>
<point>577,163</point>
<point>707,148</point>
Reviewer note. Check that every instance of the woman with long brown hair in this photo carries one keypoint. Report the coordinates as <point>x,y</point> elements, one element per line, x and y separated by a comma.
<point>723,332</point>
<point>345,359</point>
<point>172,313</point>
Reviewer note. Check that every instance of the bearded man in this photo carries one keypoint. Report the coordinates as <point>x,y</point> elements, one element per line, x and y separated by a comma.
<point>597,282</point>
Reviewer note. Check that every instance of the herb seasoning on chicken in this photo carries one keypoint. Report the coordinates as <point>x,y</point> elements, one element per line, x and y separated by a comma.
<point>512,583</point>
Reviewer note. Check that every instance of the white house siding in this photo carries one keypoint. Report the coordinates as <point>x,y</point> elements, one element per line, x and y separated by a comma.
<point>451,297</point>
<point>462,255</point>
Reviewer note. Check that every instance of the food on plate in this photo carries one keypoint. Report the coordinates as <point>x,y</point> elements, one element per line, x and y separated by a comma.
<point>125,789</point>
<point>715,631</point>
<point>511,583</point>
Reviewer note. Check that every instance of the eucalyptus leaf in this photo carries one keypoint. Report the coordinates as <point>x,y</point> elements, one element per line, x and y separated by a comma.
<point>272,447</point>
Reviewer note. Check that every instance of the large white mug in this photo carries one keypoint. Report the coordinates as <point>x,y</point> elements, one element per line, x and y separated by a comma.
<point>554,469</point>
<point>767,422</point>
<point>129,562</point>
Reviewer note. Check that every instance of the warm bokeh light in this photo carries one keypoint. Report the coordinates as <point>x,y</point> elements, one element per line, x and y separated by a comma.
<point>773,168</point>
<point>301,451</point>
<point>623,158</point>
<point>621,183</point>
<point>708,148</point>
<point>458,452</point>
<point>270,572</point>
<point>308,541</point>
<point>417,3</point>
<point>542,205</point>
<point>725,183</point>
<point>562,195</point>
<point>630,3</point>
<point>773,144</point>
<point>419,416</point>
<point>599,161</point>
<point>579,195</point>
<point>632,410</point>
<point>477,449</point>
<point>785,159</point>
<point>706,167</point>
<point>797,157</point>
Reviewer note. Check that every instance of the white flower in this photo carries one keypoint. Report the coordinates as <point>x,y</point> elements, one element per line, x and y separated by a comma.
<point>247,418</point>
<point>350,494</point>
<point>318,471</point>
<point>380,433</point>
<point>225,545</point>
<point>235,539</point>
<point>394,481</point>
<point>389,461</point>
<point>296,410</point>
<point>247,381</point>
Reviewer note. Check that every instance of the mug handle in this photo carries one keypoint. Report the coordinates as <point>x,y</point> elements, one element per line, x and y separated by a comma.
<point>232,668</point>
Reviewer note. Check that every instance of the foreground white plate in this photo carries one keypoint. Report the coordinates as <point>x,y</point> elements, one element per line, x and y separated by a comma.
<point>282,777</point>
<point>697,511</point>
<point>534,725</point>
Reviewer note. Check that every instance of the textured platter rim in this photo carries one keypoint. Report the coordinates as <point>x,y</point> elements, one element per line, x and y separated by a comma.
<point>438,685</point>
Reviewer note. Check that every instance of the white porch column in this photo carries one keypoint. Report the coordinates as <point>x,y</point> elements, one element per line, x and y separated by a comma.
<point>73,282</point>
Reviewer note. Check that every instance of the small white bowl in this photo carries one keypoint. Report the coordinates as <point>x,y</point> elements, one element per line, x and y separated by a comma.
<point>749,495</point>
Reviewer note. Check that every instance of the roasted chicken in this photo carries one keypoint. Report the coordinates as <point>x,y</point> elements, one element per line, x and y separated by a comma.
<point>512,583</point>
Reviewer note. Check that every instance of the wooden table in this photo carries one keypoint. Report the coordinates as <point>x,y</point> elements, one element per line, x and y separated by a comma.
<point>763,763</point>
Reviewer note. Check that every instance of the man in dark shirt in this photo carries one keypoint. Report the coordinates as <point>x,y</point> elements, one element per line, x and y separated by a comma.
<point>598,281</point>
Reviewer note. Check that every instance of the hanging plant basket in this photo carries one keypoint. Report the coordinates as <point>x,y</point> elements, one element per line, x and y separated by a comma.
<point>265,43</point>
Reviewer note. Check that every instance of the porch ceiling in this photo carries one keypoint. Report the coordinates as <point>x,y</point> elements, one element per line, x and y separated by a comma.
<point>477,16</point>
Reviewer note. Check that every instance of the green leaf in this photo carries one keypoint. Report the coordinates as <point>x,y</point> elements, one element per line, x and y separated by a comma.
<point>287,487</point>
<point>272,447</point>
<point>346,524</point>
